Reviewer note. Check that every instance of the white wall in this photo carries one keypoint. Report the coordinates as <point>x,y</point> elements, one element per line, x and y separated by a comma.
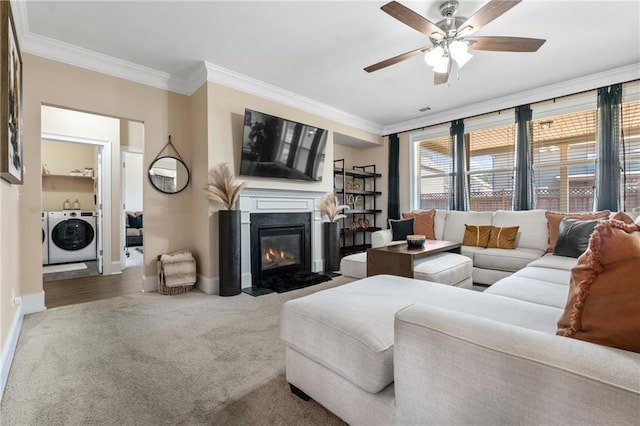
<point>133,175</point>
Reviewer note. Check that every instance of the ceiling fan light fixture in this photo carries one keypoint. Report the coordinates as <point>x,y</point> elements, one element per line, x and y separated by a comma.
<point>442,66</point>
<point>431,57</point>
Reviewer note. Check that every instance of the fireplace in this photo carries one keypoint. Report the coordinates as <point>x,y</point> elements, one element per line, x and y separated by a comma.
<point>280,246</point>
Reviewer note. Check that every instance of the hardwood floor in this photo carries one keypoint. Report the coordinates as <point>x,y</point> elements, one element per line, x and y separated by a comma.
<point>87,289</point>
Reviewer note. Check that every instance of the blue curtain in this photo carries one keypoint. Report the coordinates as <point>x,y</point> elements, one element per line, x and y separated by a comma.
<point>523,196</point>
<point>393,203</point>
<point>607,185</point>
<point>460,198</point>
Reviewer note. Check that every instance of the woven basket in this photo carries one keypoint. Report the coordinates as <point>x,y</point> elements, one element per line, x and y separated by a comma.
<point>170,291</point>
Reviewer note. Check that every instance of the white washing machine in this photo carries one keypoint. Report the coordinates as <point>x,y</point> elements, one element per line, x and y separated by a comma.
<point>72,236</point>
<point>45,239</point>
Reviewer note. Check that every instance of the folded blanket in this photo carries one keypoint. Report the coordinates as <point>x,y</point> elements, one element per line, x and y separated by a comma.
<point>181,268</point>
<point>179,256</point>
<point>180,280</point>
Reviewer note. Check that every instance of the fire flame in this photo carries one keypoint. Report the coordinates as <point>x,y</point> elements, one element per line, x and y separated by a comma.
<point>273,257</point>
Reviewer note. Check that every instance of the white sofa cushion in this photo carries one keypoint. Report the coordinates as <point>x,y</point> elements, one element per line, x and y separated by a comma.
<point>532,290</point>
<point>470,251</point>
<point>532,227</point>
<point>349,329</point>
<point>438,223</point>
<point>381,238</point>
<point>354,265</point>
<point>557,276</point>
<point>504,259</point>
<point>444,268</point>
<point>552,261</point>
<point>454,224</point>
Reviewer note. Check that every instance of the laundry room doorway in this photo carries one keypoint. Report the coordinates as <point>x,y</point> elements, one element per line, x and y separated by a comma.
<point>82,202</point>
<point>72,205</point>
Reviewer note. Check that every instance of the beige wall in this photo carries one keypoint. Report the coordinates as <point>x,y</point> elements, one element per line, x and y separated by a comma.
<point>60,158</point>
<point>10,245</point>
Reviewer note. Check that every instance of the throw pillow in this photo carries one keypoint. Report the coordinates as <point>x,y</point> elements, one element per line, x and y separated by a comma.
<point>573,236</point>
<point>476,235</point>
<point>401,228</point>
<point>503,237</point>
<point>553,222</point>
<point>604,289</point>
<point>135,221</point>
<point>623,217</point>
<point>423,222</point>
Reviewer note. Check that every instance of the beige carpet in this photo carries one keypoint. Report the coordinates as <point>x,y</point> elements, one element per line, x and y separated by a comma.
<point>150,359</point>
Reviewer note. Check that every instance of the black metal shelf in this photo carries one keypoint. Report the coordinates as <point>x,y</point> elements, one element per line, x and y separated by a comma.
<point>363,178</point>
<point>361,211</point>
<point>355,172</point>
<point>349,231</point>
<point>360,192</point>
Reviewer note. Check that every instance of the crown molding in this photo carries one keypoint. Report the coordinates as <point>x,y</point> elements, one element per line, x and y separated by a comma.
<point>243,83</point>
<point>555,90</point>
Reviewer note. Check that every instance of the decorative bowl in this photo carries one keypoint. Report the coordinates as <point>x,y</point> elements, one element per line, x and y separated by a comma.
<point>415,241</point>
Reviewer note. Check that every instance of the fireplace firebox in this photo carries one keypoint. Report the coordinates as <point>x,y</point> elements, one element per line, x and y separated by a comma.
<point>280,246</point>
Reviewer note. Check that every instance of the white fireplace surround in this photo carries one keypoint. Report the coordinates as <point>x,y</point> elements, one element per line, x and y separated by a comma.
<point>280,201</point>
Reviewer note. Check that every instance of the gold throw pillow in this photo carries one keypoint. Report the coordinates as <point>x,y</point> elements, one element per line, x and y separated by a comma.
<point>476,235</point>
<point>503,237</point>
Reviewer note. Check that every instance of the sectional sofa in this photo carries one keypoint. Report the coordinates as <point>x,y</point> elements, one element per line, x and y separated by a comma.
<point>393,350</point>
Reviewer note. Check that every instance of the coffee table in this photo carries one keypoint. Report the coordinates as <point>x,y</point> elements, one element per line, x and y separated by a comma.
<point>398,259</point>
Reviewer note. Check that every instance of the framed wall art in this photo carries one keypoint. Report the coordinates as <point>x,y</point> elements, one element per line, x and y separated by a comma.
<point>11,143</point>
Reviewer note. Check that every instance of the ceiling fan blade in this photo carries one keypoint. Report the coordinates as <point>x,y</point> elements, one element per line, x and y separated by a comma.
<point>506,44</point>
<point>442,78</point>
<point>486,14</point>
<point>411,18</point>
<point>395,59</point>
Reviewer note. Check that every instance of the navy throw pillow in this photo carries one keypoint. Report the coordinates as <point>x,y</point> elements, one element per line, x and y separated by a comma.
<point>135,221</point>
<point>573,236</point>
<point>401,228</point>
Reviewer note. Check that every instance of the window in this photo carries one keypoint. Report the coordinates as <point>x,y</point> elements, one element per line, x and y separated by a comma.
<point>630,154</point>
<point>564,154</point>
<point>435,168</point>
<point>491,153</point>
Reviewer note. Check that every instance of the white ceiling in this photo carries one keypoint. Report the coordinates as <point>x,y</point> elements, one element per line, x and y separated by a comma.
<point>318,49</point>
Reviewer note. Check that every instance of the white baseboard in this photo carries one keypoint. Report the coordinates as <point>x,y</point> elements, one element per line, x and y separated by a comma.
<point>10,348</point>
<point>114,268</point>
<point>208,285</point>
<point>149,283</point>
<point>32,303</point>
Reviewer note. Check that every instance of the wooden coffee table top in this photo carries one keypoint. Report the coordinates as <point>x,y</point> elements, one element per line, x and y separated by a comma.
<point>397,259</point>
<point>430,247</point>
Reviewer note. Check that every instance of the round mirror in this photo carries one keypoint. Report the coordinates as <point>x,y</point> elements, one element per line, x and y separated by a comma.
<point>169,175</point>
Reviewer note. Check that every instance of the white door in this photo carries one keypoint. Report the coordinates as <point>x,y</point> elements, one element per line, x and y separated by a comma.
<point>99,210</point>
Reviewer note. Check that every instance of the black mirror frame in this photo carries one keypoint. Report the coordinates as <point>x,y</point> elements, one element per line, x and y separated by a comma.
<point>161,190</point>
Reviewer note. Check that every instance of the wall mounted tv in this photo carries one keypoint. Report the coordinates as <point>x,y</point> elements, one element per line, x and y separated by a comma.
<point>279,148</point>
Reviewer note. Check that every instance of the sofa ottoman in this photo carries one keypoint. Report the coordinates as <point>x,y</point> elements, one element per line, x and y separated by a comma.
<point>443,268</point>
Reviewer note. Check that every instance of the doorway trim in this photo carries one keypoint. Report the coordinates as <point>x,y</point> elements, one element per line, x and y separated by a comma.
<point>109,267</point>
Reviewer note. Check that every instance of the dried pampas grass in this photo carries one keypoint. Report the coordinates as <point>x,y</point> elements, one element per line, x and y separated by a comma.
<point>330,209</point>
<point>222,187</point>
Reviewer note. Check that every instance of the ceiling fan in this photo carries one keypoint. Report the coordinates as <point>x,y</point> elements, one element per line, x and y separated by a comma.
<point>448,37</point>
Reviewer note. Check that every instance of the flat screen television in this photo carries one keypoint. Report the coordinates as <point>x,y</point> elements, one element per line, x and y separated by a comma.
<point>279,148</point>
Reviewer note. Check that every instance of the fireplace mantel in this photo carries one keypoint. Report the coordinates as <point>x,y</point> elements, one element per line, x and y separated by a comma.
<point>274,201</point>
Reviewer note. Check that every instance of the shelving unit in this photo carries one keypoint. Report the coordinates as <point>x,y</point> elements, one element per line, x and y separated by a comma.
<point>359,182</point>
